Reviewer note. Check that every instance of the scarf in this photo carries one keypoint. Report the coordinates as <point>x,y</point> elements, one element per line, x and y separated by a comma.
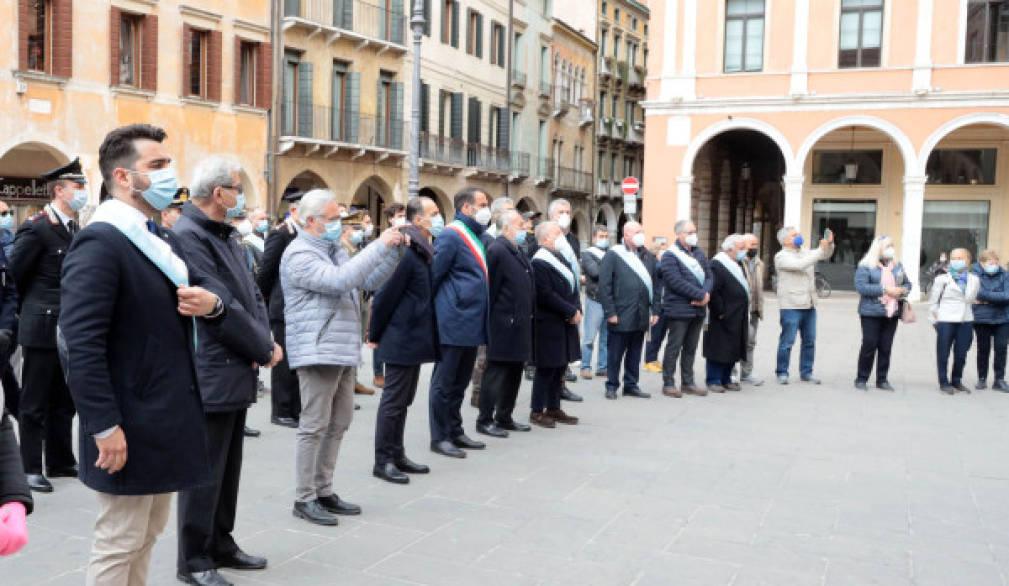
<point>960,278</point>
<point>886,280</point>
<point>546,255</point>
<point>733,267</point>
<point>635,264</point>
<point>688,261</point>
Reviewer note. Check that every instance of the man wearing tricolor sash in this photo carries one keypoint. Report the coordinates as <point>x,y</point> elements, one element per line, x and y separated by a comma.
<point>460,284</point>
<point>728,323</point>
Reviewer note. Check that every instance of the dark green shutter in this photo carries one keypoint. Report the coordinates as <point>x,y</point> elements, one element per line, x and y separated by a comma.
<point>305,99</point>
<point>343,14</point>
<point>455,24</point>
<point>456,127</point>
<point>502,129</point>
<point>396,132</point>
<point>479,36</point>
<point>353,107</point>
<point>425,107</point>
<point>380,120</point>
<point>427,17</point>
<point>292,7</point>
<point>396,18</point>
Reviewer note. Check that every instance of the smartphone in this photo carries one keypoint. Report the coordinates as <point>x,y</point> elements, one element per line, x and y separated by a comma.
<point>826,234</point>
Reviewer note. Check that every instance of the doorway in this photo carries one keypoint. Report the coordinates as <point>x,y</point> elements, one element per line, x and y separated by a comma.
<point>853,223</point>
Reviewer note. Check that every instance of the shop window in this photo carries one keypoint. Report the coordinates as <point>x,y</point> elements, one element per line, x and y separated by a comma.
<point>961,167</point>
<point>853,223</point>
<point>861,33</point>
<point>744,35</point>
<point>987,34</point>
<point>953,224</point>
<point>848,166</point>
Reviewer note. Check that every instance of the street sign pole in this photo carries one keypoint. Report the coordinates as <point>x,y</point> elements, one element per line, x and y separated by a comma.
<point>630,187</point>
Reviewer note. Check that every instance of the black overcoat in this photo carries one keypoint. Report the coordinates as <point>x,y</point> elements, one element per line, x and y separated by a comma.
<point>268,275</point>
<point>622,292</point>
<point>556,341</point>
<point>512,302</point>
<point>40,245</point>
<point>728,322</point>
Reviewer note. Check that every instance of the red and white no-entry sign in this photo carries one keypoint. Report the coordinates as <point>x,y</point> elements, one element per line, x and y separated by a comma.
<point>630,186</point>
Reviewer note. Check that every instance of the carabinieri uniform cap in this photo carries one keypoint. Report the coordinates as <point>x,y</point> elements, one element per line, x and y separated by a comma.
<point>71,172</point>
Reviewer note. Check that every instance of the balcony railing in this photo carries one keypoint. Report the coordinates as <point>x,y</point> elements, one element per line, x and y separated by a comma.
<point>545,89</point>
<point>636,134</point>
<point>637,77</point>
<point>622,70</point>
<point>519,79</point>
<point>325,123</point>
<point>488,158</point>
<point>520,164</point>
<point>367,20</point>
<point>545,170</point>
<point>604,188</point>
<point>587,114</point>
<point>604,128</point>
<point>442,149</point>
<point>573,180</point>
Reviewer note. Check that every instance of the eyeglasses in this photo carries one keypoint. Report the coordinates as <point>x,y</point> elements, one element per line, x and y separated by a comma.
<point>237,188</point>
<point>7,213</point>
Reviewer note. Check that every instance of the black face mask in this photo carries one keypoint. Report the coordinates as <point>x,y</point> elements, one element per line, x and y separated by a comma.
<point>752,253</point>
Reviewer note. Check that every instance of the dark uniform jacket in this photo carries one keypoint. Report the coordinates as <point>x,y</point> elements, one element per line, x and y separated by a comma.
<point>8,296</point>
<point>131,363</point>
<point>623,294</point>
<point>681,286</point>
<point>512,301</point>
<point>729,323</point>
<point>40,245</point>
<point>556,340</point>
<point>268,276</point>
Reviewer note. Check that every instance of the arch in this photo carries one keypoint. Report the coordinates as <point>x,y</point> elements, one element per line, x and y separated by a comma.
<point>991,118</point>
<point>250,190</point>
<point>440,199</point>
<point>607,216</point>
<point>53,147</point>
<point>372,195</point>
<point>887,128</point>
<point>526,204</point>
<point>306,180</point>
<point>717,128</point>
<point>581,226</point>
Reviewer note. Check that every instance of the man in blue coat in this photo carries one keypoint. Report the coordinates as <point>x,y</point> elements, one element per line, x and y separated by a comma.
<point>127,322</point>
<point>460,282</point>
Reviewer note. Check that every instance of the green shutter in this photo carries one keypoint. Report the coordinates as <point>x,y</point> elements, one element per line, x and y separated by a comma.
<point>425,107</point>
<point>396,18</point>
<point>292,7</point>
<point>427,17</point>
<point>305,99</point>
<point>502,129</point>
<point>396,132</point>
<point>473,114</point>
<point>380,120</point>
<point>343,14</point>
<point>456,127</point>
<point>455,24</point>
<point>353,107</point>
<point>479,36</point>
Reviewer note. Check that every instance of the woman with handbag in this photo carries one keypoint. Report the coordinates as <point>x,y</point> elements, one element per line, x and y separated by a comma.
<point>991,320</point>
<point>883,286</point>
<point>951,312</point>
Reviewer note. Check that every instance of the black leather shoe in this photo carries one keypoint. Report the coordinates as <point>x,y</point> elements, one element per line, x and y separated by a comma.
<point>464,441</point>
<point>285,422</point>
<point>390,473</point>
<point>336,505</point>
<point>249,432</point>
<point>885,386</point>
<point>208,578</point>
<point>39,483</point>
<point>861,385</point>
<point>1000,385</point>
<point>611,394</point>
<point>602,373</point>
<point>636,393</point>
<point>447,448</point>
<point>410,467</point>
<point>948,389</point>
<point>961,388</point>
<point>567,395</point>
<point>242,561</point>
<point>313,512</point>
<point>491,429</point>
<point>514,426</point>
<point>357,407</point>
<point>530,373</point>
<point>69,472</point>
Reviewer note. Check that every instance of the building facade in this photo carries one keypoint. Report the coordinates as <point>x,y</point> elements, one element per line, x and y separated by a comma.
<point>868,117</point>
<point>75,70</point>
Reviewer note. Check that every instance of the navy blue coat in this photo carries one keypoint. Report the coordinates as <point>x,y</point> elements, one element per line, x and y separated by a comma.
<point>680,286</point>
<point>131,363</point>
<point>230,346</point>
<point>512,302</point>
<point>622,293</point>
<point>867,284</point>
<point>995,294</point>
<point>8,296</point>
<point>460,288</point>
<point>556,340</point>
<point>402,311</point>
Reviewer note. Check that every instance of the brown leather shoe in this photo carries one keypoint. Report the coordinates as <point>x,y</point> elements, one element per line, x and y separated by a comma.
<point>542,420</point>
<point>716,389</point>
<point>360,389</point>
<point>474,399</point>
<point>693,390</point>
<point>560,416</point>
<point>732,387</point>
<point>586,374</point>
<point>379,381</point>
<point>672,392</point>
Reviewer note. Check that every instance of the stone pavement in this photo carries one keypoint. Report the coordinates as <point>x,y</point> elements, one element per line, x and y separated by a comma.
<point>784,485</point>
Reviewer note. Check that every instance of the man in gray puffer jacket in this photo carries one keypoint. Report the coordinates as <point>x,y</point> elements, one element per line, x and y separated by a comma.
<point>323,316</point>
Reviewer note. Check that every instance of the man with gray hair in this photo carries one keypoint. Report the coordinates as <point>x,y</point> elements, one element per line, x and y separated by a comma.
<point>559,212</point>
<point>497,207</point>
<point>227,364</point>
<point>726,336</point>
<point>797,299</point>
<point>323,315</point>
<point>592,258</point>
<point>753,268</point>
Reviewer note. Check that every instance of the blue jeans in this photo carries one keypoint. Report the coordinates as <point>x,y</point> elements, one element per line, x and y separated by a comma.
<point>955,336</point>
<point>718,373</point>
<point>802,321</point>
<point>624,346</point>
<point>593,324</point>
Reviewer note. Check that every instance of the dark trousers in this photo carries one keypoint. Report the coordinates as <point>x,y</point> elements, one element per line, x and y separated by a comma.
<point>957,336</point>
<point>877,341</point>
<point>624,346</point>
<point>46,415</point>
<point>397,396</point>
<point>718,373</point>
<point>498,391</point>
<point>658,334</point>
<point>682,344</point>
<point>984,334</point>
<point>547,387</point>
<point>206,515</point>
<point>285,398</point>
<point>448,387</point>
<point>12,391</point>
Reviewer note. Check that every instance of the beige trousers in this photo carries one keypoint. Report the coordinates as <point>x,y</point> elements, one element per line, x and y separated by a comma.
<point>125,532</point>
<point>327,408</point>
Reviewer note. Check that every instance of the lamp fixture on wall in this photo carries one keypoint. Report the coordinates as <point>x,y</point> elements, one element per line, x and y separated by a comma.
<point>851,167</point>
<point>744,173</point>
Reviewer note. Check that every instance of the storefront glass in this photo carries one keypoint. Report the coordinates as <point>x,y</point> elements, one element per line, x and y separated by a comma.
<point>853,223</point>
<point>953,224</point>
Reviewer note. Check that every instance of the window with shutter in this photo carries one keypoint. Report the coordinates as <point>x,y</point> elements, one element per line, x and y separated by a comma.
<point>396,21</point>
<point>288,108</point>
<point>264,75</point>
<point>425,107</point>
<point>455,24</point>
<point>292,7</point>
<point>339,101</point>
<point>353,107</point>
<point>479,35</point>
<point>343,14</point>
<point>214,65</point>
<point>245,86</point>
<point>396,117</point>
<point>427,18</point>
<point>305,113</point>
<point>455,128</point>
<point>36,32</point>
<point>383,110</point>
<point>149,54</point>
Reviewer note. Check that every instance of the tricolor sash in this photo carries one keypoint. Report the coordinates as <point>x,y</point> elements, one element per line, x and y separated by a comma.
<point>548,257</point>
<point>635,264</point>
<point>472,242</point>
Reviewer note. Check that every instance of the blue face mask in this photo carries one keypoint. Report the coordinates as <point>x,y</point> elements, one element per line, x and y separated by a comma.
<point>437,225</point>
<point>740,255</point>
<point>958,264</point>
<point>262,226</point>
<point>991,269</point>
<point>333,231</point>
<point>164,184</point>
<point>797,241</point>
<point>356,237</point>
<point>603,243</point>
<point>520,237</point>
<point>7,222</point>
<point>236,210</point>
<point>80,200</point>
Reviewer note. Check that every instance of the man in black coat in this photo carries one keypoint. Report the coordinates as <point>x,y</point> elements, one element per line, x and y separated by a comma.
<point>285,398</point>
<point>46,411</point>
<point>727,335</point>
<point>127,324</point>
<point>510,337</point>
<point>8,331</point>
<point>403,334</point>
<point>227,364</point>
<point>558,312</point>
<point>627,291</point>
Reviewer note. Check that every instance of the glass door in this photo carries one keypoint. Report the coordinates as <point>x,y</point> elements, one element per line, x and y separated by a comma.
<point>853,223</point>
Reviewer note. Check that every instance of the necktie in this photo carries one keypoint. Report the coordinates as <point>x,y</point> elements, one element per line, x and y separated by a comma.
<point>72,227</point>
<point>152,227</point>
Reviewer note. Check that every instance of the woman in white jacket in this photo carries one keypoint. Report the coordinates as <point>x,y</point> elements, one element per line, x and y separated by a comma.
<point>951,312</point>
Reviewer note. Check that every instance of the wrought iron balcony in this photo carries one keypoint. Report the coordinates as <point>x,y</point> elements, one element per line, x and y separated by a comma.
<point>519,79</point>
<point>353,19</point>
<point>442,149</point>
<point>574,181</point>
<point>335,128</point>
<point>489,159</point>
<point>519,165</point>
<point>545,171</point>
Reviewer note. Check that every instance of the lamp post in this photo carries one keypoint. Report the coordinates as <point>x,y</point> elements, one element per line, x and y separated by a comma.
<point>417,24</point>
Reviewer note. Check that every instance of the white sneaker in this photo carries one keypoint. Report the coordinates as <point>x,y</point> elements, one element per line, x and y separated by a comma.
<point>752,380</point>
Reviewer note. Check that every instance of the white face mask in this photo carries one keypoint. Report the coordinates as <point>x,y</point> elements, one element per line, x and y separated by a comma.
<point>397,222</point>
<point>244,227</point>
<point>638,239</point>
<point>483,216</point>
<point>691,240</point>
<point>887,254</point>
<point>564,220</point>
<point>561,244</point>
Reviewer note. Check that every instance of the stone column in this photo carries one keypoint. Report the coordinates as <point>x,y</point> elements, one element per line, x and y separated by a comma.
<point>910,240</point>
<point>684,189</point>
<point>792,185</point>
